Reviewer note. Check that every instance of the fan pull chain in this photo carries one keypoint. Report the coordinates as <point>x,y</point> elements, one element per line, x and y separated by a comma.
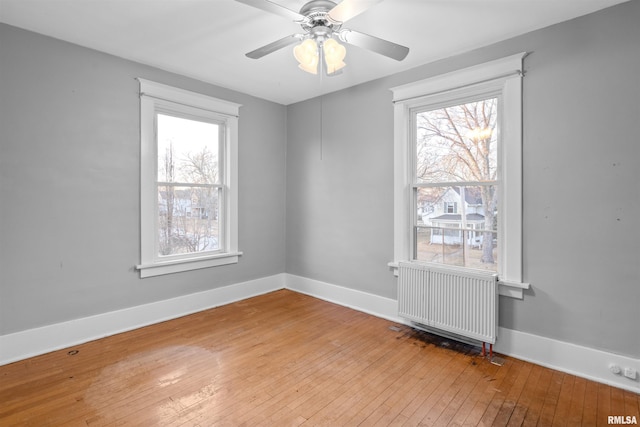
<point>321,71</point>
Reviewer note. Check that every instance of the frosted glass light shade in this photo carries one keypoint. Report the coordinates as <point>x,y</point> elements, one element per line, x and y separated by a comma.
<point>306,53</point>
<point>334,54</point>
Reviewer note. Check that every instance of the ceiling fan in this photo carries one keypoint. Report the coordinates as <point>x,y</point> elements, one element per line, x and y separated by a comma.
<point>321,22</point>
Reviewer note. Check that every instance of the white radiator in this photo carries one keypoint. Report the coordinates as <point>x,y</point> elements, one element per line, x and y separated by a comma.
<point>463,303</point>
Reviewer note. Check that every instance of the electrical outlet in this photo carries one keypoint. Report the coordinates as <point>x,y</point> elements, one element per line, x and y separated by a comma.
<point>615,369</point>
<point>630,373</point>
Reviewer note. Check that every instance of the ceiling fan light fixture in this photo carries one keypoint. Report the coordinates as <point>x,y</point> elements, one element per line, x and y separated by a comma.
<point>306,53</point>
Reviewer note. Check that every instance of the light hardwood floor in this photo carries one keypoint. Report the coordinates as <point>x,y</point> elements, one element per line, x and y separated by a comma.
<point>285,359</point>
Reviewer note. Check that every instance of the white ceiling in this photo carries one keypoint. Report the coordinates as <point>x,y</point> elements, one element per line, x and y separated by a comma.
<point>207,39</point>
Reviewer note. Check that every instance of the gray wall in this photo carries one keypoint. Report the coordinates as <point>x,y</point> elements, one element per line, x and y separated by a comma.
<point>69,185</point>
<point>581,181</point>
<point>340,189</point>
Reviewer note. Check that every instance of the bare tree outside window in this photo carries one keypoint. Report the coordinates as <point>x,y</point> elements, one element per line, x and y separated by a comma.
<point>456,165</point>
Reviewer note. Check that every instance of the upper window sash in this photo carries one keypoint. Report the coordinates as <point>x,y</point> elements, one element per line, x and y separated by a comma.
<point>502,78</point>
<point>179,111</point>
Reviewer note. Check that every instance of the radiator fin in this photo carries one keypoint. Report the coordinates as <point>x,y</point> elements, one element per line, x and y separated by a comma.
<point>451,300</point>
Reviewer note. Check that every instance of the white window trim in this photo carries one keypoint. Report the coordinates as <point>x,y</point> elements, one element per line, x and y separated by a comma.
<point>505,77</point>
<point>152,96</point>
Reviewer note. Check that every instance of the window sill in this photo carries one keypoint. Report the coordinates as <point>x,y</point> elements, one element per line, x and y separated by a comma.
<point>187,264</point>
<point>505,288</point>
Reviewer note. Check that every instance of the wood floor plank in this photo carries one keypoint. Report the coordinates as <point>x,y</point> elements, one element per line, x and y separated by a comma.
<point>512,397</point>
<point>561,415</point>
<point>548,410</point>
<point>617,402</point>
<point>590,405</point>
<point>539,393</point>
<point>632,405</point>
<point>604,404</point>
<point>286,358</point>
<point>576,407</point>
<point>498,399</point>
<point>526,398</point>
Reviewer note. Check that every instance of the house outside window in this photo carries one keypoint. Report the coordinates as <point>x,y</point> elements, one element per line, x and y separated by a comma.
<point>458,170</point>
<point>188,180</point>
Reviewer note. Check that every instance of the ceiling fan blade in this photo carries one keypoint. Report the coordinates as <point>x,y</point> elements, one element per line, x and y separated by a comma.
<point>348,9</point>
<point>276,45</point>
<point>269,6</point>
<point>383,47</point>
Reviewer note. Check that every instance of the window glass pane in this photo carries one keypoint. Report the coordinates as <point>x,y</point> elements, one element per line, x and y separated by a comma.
<point>187,150</point>
<point>466,236</point>
<point>457,143</point>
<point>188,220</point>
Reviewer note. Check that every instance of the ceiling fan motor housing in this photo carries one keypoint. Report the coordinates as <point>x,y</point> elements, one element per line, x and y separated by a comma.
<point>317,5</point>
<point>318,24</point>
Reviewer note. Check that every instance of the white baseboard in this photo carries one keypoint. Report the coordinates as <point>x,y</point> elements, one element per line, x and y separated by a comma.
<point>578,360</point>
<point>574,359</point>
<point>33,342</point>
<point>562,356</point>
<point>378,306</point>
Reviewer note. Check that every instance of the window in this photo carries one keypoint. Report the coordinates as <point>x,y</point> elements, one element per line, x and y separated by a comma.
<point>450,207</point>
<point>189,185</point>
<point>188,180</point>
<point>455,159</point>
<point>458,170</point>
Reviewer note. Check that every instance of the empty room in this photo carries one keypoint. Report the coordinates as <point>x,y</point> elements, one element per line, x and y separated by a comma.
<point>319,213</point>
